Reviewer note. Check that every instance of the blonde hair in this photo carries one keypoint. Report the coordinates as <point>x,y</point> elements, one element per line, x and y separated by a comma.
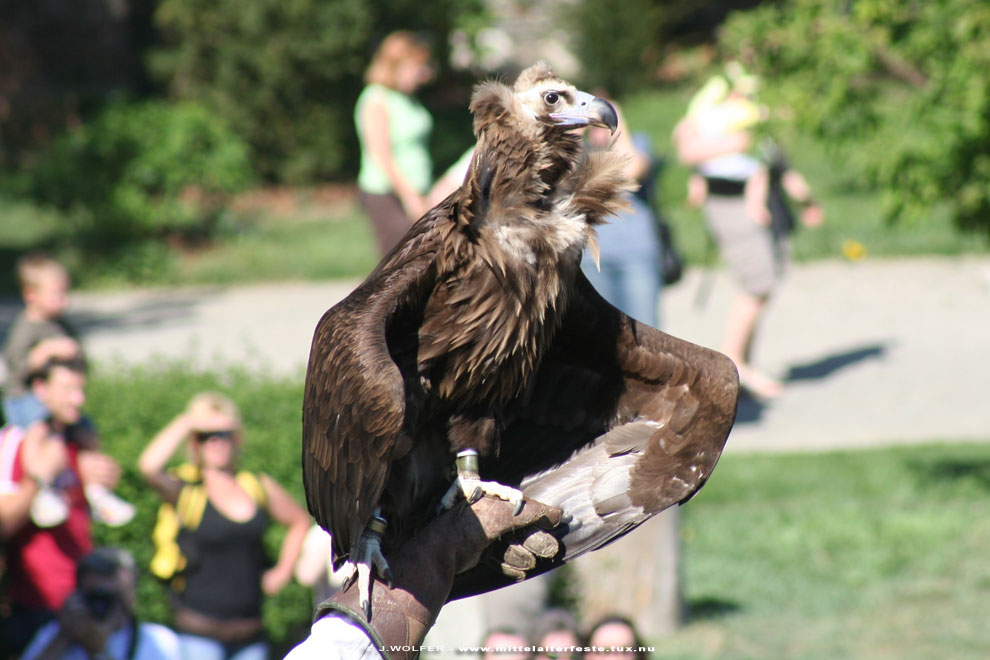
<point>395,48</point>
<point>214,402</point>
<point>32,268</point>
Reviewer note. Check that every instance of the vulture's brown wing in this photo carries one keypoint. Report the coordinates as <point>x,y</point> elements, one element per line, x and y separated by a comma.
<point>621,422</point>
<point>354,405</point>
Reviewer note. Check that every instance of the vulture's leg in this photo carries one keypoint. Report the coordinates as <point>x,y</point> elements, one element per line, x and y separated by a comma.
<point>469,483</point>
<point>369,553</point>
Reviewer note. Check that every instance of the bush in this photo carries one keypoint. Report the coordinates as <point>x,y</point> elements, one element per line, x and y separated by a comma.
<point>616,42</point>
<point>900,89</point>
<point>287,74</point>
<point>130,405</point>
<point>142,170</point>
<point>622,46</point>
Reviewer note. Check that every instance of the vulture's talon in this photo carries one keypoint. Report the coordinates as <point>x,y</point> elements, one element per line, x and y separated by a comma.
<point>348,573</point>
<point>473,489</point>
<point>383,568</point>
<point>364,589</point>
<point>369,558</point>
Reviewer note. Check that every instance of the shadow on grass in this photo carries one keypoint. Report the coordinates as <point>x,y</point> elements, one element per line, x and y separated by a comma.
<point>955,470</point>
<point>826,366</point>
<point>708,608</point>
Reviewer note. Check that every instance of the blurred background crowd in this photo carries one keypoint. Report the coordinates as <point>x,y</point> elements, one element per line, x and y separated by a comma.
<point>155,143</point>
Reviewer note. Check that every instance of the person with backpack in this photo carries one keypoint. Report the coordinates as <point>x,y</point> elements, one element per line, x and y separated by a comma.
<point>740,195</point>
<point>210,529</point>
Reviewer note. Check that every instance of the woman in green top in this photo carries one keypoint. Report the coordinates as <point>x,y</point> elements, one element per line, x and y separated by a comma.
<point>394,131</point>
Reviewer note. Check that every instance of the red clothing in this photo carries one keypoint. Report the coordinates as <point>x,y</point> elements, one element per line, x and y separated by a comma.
<point>41,562</point>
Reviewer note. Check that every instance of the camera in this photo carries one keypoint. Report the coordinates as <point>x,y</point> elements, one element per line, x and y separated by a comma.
<point>99,602</point>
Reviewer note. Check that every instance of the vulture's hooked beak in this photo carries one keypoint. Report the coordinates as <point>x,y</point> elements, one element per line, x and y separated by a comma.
<point>588,110</point>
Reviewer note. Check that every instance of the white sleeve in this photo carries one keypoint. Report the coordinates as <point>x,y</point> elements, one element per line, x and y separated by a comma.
<point>334,637</point>
<point>10,442</point>
<point>314,557</point>
<point>157,642</point>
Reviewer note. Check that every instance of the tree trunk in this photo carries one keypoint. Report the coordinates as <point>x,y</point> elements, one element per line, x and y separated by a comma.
<point>638,576</point>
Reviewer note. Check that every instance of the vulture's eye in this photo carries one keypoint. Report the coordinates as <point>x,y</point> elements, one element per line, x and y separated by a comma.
<point>551,98</point>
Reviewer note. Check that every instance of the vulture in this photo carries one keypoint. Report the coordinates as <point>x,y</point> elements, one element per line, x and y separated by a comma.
<point>478,350</point>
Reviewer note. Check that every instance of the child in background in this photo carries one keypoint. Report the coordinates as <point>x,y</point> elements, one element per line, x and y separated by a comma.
<point>39,335</point>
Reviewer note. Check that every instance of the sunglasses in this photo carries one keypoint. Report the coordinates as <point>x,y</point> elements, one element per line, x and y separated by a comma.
<point>203,436</point>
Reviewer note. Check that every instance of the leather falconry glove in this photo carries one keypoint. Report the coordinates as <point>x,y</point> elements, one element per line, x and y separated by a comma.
<point>423,569</point>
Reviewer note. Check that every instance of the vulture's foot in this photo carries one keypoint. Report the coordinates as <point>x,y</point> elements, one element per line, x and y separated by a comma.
<point>469,484</point>
<point>369,553</point>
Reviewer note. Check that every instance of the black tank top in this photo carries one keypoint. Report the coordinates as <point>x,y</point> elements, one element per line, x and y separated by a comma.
<point>227,559</point>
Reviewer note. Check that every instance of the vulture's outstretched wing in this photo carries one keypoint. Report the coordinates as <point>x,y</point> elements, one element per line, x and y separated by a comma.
<point>621,422</point>
<point>355,407</point>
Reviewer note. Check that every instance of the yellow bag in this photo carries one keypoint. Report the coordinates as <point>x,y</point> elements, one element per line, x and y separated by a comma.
<point>168,562</point>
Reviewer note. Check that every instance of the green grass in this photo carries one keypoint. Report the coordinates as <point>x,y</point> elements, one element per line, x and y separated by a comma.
<point>868,554</point>
<point>278,248</point>
<point>315,241</point>
<point>872,554</point>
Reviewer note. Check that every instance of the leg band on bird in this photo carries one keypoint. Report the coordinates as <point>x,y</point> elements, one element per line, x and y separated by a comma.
<point>467,461</point>
<point>469,484</point>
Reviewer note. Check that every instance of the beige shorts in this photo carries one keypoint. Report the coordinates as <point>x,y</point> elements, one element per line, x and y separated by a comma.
<point>747,248</point>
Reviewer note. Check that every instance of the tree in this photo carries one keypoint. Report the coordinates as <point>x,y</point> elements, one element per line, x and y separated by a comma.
<point>621,45</point>
<point>900,89</point>
<point>286,73</point>
<point>141,170</point>
<point>276,70</point>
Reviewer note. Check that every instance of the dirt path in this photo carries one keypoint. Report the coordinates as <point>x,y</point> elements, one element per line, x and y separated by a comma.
<point>875,352</point>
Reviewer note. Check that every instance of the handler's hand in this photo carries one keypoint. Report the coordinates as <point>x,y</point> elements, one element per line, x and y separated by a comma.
<point>424,569</point>
<point>491,518</point>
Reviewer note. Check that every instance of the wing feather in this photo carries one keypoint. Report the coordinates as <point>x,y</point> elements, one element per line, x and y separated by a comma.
<point>621,422</point>
<point>355,404</point>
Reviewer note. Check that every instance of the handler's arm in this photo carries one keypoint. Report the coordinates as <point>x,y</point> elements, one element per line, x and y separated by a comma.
<point>423,571</point>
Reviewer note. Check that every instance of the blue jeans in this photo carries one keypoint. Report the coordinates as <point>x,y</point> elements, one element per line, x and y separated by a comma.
<point>631,284</point>
<point>194,647</point>
<point>23,410</point>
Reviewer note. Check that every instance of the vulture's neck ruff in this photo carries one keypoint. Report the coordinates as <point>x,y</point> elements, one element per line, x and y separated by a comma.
<point>525,213</point>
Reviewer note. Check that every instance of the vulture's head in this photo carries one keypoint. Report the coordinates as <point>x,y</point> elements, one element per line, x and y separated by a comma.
<point>539,105</point>
<point>532,182</point>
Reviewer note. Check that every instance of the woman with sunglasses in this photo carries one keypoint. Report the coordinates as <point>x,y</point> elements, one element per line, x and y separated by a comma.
<point>216,599</point>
